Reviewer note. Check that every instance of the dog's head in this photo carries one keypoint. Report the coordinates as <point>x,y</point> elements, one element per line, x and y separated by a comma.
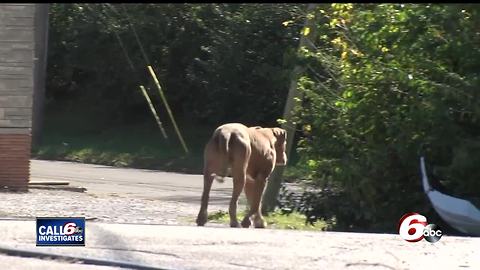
<point>280,145</point>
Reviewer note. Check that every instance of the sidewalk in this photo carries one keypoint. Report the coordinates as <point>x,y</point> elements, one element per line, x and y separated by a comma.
<point>189,247</point>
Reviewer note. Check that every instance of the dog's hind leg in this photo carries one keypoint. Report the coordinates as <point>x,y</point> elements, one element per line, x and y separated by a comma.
<point>239,170</point>
<point>238,184</point>
<point>210,167</point>
<point>207,185</point>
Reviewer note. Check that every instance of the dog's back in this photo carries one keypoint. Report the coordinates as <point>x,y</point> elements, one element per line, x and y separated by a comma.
<point>227,145</point>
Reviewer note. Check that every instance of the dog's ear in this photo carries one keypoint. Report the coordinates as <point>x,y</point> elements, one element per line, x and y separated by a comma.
<point>280,133</point>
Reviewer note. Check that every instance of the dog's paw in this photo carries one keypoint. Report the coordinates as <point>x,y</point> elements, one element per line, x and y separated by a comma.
<point>202,219</point>
<point>234,224</point>
<point>218,178</point>
<point>246,222</point>
<point>260,223</point>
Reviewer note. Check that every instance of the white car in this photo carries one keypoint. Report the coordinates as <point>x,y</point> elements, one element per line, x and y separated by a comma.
<point>458,213</point>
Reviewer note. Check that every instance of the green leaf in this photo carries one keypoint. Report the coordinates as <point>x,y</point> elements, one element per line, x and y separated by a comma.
<point>281,121</point>
<point>286,23</point>
<point>306,31</point>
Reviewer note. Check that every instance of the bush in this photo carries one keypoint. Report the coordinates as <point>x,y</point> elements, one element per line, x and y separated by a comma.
<point>213,60</point>
<point>386,84</point>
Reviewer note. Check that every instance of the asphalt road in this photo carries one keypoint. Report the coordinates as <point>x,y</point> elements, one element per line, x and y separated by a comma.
<point>136,183</point>
<point>190,247</point>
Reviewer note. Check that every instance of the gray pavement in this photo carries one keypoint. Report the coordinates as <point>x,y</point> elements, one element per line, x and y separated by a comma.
<point>105,180</point>
<point>133,210</point>
<point>188,247</point>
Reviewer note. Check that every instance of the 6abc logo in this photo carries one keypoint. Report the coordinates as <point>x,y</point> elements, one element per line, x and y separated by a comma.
<point>413,227</point>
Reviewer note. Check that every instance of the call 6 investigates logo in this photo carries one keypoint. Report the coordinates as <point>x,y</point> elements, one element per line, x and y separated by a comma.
<point>413,227</point>
<point>60,231</point>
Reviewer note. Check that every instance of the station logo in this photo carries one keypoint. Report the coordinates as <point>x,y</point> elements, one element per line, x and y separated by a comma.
<point>413,227</point>
<point>60,231</point>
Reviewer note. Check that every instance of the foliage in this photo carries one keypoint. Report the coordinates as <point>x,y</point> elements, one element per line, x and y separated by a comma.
<point>385,84</point>
<point>213,60</point>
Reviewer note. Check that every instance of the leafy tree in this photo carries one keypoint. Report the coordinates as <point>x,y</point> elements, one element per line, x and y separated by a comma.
<point>218,62</point>
<point>387,83</point>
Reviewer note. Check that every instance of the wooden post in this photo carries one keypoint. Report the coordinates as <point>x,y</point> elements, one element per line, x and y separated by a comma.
<point>154,112</point>
<point>164,99</point>
<point>275,181</point>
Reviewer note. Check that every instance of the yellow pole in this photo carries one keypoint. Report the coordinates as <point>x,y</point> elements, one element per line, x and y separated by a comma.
<point>157,83</point>
<point>153,111</point>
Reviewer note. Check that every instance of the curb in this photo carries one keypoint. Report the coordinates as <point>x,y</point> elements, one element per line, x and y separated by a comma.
<point>55,187</point>
<point>55,183</point>
<point>40,255</point>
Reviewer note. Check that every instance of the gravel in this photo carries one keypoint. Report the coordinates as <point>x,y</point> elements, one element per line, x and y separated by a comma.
<point>103,208</point>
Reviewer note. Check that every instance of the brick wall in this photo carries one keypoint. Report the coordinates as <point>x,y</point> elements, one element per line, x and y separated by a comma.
<point>14,161</point>
<point>16,91</point>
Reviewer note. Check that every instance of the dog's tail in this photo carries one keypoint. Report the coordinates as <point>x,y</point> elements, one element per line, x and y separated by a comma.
<point>223,141</point>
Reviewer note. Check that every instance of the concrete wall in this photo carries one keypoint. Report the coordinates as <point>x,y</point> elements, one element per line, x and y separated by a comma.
<point>16,91</point>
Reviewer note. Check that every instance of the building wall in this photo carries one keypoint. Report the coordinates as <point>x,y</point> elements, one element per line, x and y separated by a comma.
<point>16,91</point>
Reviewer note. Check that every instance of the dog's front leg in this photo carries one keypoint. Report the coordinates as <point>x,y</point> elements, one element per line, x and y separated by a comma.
<point>238,184</point>
<point>250,194</point>
<point>256,210</point>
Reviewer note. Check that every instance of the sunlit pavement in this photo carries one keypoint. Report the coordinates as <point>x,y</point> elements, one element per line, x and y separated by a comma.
<point>190,247</point>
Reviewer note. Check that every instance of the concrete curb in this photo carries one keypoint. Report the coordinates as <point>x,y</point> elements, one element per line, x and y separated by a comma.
<point>40,255</point>
<point>50,183</point>
<point>55,187</point>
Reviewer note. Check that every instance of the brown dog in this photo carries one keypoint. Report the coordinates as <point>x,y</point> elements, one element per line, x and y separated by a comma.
<point>251,153</point>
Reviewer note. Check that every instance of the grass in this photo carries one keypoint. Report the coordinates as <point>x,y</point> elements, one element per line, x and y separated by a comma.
<point>275,220</point>
<point>72,137</point>
<point>81,136</point>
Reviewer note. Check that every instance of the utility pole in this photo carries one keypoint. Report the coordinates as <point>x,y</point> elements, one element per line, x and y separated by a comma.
<point>39,70</point>
<point>275,180</point>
